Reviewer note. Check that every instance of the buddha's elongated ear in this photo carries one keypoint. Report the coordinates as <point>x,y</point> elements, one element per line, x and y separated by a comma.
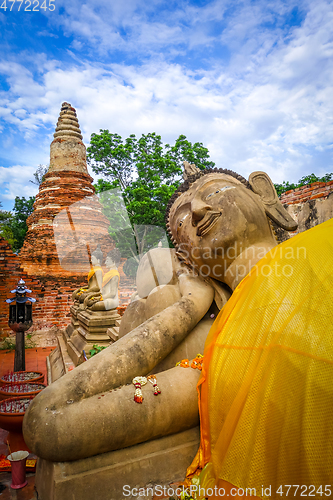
<point>263,186</point>
<point>189,169</point>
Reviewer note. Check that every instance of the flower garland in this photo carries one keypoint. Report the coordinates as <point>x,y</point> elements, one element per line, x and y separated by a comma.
<point>153,381</point>
<point>196,362</point>
<point>138,383</point>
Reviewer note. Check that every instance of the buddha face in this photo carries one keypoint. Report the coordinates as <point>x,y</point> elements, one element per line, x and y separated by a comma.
<point>109,262</point>
<point>216,220</point>
<point>94,260</point>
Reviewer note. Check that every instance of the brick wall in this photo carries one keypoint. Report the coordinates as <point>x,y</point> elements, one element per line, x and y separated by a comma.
<point>53,294</point>
<point>302,194</point>
<point>309,205</point>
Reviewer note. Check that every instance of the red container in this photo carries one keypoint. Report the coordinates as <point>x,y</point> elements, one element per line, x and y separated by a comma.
<point>21,377</point>
<point>22,390</point>
<point>17,461</point>
<point>11,420</point>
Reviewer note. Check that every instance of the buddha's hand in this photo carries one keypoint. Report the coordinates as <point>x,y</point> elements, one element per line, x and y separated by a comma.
<point>91,299</point>
<point>78,292</point>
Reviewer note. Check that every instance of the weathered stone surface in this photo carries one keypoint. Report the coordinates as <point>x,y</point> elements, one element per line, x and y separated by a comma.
<point>104,476</point>
<point>136,353</point>
<point>311,212</point>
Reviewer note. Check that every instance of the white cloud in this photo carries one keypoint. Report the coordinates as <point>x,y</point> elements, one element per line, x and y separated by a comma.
<point>14,181</point>
<point>47,34</point>
<point>269,108</point>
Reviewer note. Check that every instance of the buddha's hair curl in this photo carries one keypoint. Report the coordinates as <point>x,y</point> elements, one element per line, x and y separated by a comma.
<point>114,254</point>
<point>185,186</point>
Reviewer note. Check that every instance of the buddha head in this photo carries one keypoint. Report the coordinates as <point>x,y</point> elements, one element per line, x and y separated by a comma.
<point>113,258</point>
<point>97,256</point>
<point>216,215</point>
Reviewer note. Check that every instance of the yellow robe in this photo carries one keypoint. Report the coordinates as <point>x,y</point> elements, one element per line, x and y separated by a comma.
<point>266,392</point>
<point>109,275</point>
<point>90,275</point>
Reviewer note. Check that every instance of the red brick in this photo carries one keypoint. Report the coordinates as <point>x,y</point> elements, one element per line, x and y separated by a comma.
<point>318,184</point>
<point>315,196</point>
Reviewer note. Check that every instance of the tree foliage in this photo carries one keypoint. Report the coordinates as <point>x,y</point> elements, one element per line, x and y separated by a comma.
<point>40,174</point>
<point>23,207</point>
<point>13,226</point>
<point>147,172</point>
<point>6,219</point>
<point>306,179</point>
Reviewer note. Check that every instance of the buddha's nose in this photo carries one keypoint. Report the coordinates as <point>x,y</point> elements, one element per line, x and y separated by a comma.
<point>199,209</point>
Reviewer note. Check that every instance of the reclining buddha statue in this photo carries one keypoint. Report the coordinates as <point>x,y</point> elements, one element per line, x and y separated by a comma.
<point>223,228</point>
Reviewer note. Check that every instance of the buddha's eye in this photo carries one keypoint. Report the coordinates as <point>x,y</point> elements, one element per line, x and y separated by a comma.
<point>182,220</point>
<point>225,188</point>
<point>212,194</point>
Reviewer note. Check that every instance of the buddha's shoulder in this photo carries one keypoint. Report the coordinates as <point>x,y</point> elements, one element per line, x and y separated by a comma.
<point>157,267</point>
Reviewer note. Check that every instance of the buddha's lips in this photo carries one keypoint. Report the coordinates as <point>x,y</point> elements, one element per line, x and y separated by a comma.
<point>208,223</point>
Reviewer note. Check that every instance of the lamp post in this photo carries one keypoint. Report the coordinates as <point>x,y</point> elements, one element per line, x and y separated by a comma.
<point>20,320</point>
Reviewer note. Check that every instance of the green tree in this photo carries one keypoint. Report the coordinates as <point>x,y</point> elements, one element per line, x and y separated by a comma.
<point>303,181</point>
<point>6,220</point>
<point>13,226</point>
<point>22,209</point>
<point>40,174</point>
<point>148,173</point>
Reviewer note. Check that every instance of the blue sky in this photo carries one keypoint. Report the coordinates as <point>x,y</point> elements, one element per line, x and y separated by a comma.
<point>252,80</point>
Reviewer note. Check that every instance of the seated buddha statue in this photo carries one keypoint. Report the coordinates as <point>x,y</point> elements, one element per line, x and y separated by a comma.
<point>221,225</point>
<point>107,298</point>
<point>95,278</point>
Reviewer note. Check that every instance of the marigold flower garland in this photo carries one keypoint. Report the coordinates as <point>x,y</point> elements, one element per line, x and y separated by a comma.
<point>196,362</point>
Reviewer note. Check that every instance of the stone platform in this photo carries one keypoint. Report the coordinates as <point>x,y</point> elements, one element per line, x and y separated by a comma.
<point>86,329</point>
<point>157,462</point>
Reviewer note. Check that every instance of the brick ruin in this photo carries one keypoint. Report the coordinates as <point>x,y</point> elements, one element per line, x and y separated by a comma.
<point>65,195</point>
<point>54,266</point>
<point>309,205</point>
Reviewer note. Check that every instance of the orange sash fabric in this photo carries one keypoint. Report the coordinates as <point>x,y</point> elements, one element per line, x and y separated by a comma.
<point>109,275</point>
<point>93,270</point>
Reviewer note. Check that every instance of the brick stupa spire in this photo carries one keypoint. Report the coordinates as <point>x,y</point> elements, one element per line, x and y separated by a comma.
<point>81,227</point>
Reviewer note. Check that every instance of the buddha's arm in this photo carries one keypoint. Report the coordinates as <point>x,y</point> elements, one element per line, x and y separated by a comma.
<point>91,298</point>
<point>110,290</point>
<point>94,285</point>
<point>135,354</point>
<point>114,421</point>
<point>95,282</point>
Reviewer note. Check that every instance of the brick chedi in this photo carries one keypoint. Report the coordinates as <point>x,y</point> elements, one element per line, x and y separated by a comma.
<point>65,227</point>
<point>59,245</point>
